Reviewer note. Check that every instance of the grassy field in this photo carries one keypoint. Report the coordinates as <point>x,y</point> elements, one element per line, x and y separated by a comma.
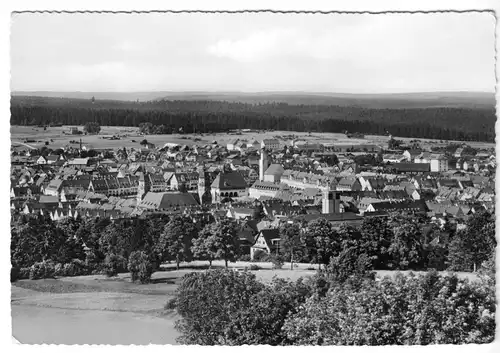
<point>100,310</point>
<point>130,138</point>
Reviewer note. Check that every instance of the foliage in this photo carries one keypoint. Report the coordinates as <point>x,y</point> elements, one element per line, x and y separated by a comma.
<point>408,310</point>
<point>208,303</point>
<point>140,266</point>
<point>321,241</point>
<point>167,116</point>
<point>277,261</point>
<point>91,127</point>
<point>470,247</point>
<point>406,246</point>
<point>291,243</point>
<point>44,269</point>
<point>175,240</point>
<point>218,241</point>
<point>114,264</point>
<point>349,263</point>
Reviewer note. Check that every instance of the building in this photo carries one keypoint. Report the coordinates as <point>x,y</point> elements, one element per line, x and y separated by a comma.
<point>228,185</point>
<point>166,201</point>
<point>438,162</point>
<point>263,163</point>
<point>273,173</point>
<point>270,144</point>
<point>143,188</point>
<point>330,202</point>
<point>267,241</point>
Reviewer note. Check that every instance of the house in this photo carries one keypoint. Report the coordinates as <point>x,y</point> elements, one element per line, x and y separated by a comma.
<point>393,158</point>
<point>267,240</point>
<point>227,185</point>
<point>273,173</point>
<point>165,201</point>
<point>401,206</point>
<point>349,184</point>
<point>413,168</point>
<point>411,154</point>
<point>231,145</point>
<point>438,162</point>
<point>79,162</point>
<point>238,213</point>
<point>270,144</point>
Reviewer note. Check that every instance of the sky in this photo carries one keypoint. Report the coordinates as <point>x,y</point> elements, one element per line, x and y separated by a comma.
<point>340,53</point>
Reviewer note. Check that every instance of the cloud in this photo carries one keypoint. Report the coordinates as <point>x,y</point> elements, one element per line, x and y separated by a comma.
<point>256,47</point>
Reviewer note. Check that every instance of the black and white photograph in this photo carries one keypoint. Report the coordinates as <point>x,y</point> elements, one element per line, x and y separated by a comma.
<point>252,178</point>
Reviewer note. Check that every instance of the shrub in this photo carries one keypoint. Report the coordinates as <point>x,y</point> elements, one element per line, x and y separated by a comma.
<point>69,270</point>
<point>171,304</point>
<point>24,273</point>
<point>14,273</point>
<point>140,266</point>
<point>113,264</point>
<point>244,258</point>
<point>59,270</point>
<point>41,270</point>
<point>277,261</point>
<point>254,267</point>
<point>260,256</point>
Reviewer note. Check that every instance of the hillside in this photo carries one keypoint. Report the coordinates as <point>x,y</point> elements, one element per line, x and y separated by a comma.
<point>379,101</point>
<point>446,123</point>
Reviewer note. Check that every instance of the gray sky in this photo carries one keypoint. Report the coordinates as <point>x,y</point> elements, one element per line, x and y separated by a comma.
<point>253,52</point>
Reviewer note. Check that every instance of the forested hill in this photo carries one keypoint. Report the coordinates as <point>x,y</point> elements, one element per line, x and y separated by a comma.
<point>377,101</point>
<point>216,116</point>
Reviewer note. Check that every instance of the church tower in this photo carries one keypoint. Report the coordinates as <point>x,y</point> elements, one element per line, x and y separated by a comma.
<point>203,187</point>
<point>330,202</point>
<point>263,163</point>
<point>144,186</point>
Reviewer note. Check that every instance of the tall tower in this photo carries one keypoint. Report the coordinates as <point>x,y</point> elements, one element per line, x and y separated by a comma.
<point>263,163</point>
<point>144,186</point>
<point>330,202</point>
<point>203,185</point>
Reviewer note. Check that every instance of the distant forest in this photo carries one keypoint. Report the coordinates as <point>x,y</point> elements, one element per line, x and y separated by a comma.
<point>473,124</point>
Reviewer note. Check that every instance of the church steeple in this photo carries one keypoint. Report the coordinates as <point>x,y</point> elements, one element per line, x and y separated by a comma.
<point>144,185</point>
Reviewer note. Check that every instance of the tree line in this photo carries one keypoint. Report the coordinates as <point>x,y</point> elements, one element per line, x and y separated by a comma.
<point>223,307</point>
<point>216,116</point>
<point>41,247</point>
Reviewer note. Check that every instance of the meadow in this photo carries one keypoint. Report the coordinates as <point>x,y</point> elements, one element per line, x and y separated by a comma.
<point>100,310</point>
<point>59,137</point>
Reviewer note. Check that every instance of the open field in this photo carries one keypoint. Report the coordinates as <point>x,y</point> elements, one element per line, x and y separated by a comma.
<point>99,310</point>
<point>20,133</point>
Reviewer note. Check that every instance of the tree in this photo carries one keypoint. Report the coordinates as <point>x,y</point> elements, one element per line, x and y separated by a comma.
<point>175,240</point>
<point>405,310</point>
<point>321,240</point>
<point>349,263</point>
<point>203,247</point>
<point>375,241</point>
<point>291,244</point>
<point>140,266</point>
<point>209,302</point>
<point>470,247</point>
<point>91,127</point>
<point>406,245</point>
<point>218,241</point>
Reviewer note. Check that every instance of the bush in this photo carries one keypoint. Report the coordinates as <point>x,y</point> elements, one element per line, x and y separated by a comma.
<point>59,270</point>
<point>41,270</point>
<point>24,273</point>
<point>69,270</point>
<point>114,264</point>
<point>140,266</point>
<point>254,267</point>
<point>260,256</point>
<point>277,261</point>
<point>244,258</point>
<point>14,273</point>
<point>171,304</point>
